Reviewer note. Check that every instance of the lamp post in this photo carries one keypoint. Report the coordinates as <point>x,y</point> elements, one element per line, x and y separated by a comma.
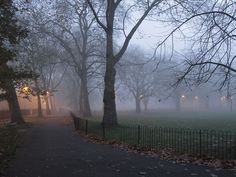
<point>48,112</point>
<point>182,100</point>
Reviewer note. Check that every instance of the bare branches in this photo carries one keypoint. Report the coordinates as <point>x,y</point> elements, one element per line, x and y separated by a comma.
<point>211,41</point>
<point>96,16</point>
<point>123,21</point>
<point>133,30</point>
<point>230,68</point>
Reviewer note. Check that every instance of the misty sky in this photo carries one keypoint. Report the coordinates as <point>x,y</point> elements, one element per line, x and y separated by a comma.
<point>150,34</point>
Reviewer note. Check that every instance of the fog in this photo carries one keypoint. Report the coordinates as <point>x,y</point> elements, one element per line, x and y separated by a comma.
<point>152,83</point>
<point>145,57</point>
<point>202,98</point>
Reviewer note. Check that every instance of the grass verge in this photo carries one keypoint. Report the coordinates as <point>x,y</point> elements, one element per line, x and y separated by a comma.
<point>10,137</point>
<point>213,144</point>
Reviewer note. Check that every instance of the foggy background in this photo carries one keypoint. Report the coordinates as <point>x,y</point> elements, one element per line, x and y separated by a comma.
<point>149,75</point>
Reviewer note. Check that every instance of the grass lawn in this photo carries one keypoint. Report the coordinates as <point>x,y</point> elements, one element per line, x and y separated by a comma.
<point>209,134</point>
<point>194,120</point>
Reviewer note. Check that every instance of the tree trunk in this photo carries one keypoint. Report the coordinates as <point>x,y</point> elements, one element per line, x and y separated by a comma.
<point>145,103</point>
<point>177,100</point>
<point>109,102</point>
<point>48,111</point>
<point>145,106</point>
<point>230,103</point>
<point>40,112</point>
<point>54,104</point>
<point>51,103</point>
<point>85,103</point>
<point>75,102</point>
<point>110,115</point>
<point>81,108</point>
<point>14,107</point>
<point>138,107</point>
<point>207,103</point>
<point>85,109</point>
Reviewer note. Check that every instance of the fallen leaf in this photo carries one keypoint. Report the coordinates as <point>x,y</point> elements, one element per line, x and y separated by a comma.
<point>142,173</point>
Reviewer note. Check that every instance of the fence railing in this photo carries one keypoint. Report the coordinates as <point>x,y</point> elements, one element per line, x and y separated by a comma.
<point>202,143</point>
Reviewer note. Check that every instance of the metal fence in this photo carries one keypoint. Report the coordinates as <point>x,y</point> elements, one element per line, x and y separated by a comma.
<point>202,143</point>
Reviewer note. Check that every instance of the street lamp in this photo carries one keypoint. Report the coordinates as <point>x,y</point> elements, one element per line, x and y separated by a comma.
<point>223,98</point>
<point>25,90</point>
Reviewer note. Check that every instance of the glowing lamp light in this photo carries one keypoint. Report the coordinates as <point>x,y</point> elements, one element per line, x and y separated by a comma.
<point>223,98</point>
<point>196,97</point>
<point>25,89</point>
<point>183,96</point>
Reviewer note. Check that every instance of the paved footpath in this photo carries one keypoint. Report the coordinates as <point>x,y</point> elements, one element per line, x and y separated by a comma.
<point>54,150</point>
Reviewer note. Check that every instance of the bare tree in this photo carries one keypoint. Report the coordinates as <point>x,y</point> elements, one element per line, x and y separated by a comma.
<point>71,85</point>
<point>212,39</point>
<point>72,26</point>
<point>30,56</point>
<point>110,27</point>
<point>138,77</point>
<point>10,35</point>
<point>41,55</point>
